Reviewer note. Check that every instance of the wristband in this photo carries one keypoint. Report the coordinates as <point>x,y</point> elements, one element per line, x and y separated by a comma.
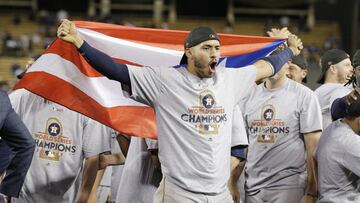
<point>278,60</point>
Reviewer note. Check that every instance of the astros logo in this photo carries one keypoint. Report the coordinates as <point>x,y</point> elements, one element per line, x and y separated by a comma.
<point>53,127</point>
<point>207,99</point>
<point>268,112</point>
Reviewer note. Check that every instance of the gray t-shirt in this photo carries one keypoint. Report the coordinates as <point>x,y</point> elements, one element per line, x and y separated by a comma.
<point>194,120</point>
<point>326,95</point>
<point>63,140</point>
<point>276,120</point>
<point>338,158</point>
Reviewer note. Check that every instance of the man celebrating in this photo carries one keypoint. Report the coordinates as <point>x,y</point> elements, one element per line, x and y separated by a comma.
<point>194,108</point>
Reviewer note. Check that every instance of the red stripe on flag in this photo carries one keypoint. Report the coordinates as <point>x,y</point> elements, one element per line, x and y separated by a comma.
<point>129,120</point>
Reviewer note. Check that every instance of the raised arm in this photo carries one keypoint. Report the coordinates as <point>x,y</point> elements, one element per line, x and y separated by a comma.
<point>270,65</point>
<point>97,59</point>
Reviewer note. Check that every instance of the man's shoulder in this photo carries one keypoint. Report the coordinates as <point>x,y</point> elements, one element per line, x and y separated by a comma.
<point>327,87</point>
<point>301,88</point>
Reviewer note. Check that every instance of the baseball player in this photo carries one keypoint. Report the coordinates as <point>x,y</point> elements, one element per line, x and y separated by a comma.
<point>281,141</point>
<point>336,71</point>
<point>65,140</point>
<point>339,105</point>
<point>338,155</point>
<point>194,109</point>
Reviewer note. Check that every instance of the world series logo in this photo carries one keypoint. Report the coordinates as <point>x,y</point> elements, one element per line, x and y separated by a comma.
<point>52,144</point>
<point>208,116</point>
<point>267,128</point>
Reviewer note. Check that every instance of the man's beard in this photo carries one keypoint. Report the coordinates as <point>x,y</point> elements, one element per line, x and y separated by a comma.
<point>198,65</point>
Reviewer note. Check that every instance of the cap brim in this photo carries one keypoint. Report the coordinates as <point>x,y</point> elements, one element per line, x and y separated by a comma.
<point>183,59</point>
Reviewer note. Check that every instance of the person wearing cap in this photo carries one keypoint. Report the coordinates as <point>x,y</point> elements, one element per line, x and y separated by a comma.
<point>338,155</point>
<point>336,71</point>
<point>340,103</point>
<point>298,69</point>
<point>194,107</point>
<point>284,125</point>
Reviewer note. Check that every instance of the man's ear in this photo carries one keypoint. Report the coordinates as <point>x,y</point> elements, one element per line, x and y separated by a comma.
<point>188,53</point>
<point>304,73</point>
<point>333,69</point>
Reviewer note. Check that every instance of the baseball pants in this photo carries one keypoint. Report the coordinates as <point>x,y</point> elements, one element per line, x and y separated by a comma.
<point>279,196</point>
<point>170,193</point>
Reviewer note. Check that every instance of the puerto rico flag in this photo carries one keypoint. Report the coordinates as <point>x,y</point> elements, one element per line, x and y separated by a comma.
<point>62,75</point>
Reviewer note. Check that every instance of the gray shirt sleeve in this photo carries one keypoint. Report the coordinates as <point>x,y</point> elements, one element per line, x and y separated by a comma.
<point>310,113</point>
<point>239,135</point>
<point>95,138</point>
<point>243,78</point>
<point>145,83</point>
<point>352,155</point>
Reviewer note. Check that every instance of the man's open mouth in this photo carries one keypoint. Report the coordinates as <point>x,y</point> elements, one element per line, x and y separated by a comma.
<point>212,66</point>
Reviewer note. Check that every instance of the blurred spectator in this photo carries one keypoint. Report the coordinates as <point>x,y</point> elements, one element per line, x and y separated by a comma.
<point>45,19</point>
<point>61,14</point>
<point>331,42</point>
<point>284,21</point>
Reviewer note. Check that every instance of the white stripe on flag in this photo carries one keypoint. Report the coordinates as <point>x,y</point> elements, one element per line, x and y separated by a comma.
<point>131,51</point>
<point>107,93</point>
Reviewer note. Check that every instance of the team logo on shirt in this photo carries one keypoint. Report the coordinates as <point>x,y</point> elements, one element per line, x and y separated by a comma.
<point>54,127</point>
<point>207,117</point>
<point>268,127</point>
<point>269,114</point>
<point>51,144</point>
<point>208,101</point>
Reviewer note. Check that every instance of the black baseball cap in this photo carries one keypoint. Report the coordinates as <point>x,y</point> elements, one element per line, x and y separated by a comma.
<point>356,58</point>
<point>300,61</point>
<point>196,36</point>
<point>331,57</point>
<point>354,109</point>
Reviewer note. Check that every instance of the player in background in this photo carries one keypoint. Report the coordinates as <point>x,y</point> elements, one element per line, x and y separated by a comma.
<point>282,140</point>
<point>336,71</point>
<point>67,143</point>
